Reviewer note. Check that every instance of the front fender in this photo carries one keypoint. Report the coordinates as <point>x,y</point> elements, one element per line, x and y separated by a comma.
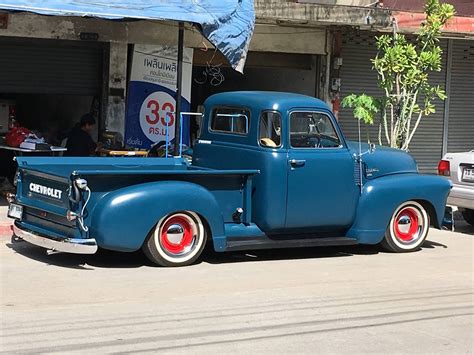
<point>380,198</point>
<point>123,218</point>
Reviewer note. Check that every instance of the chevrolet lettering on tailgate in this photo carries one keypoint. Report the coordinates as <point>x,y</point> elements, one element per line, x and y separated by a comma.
<point>44,190</point>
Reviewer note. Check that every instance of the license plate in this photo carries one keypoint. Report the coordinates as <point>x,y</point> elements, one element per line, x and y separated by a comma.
<point>15,211</point>
<point>468,175</point>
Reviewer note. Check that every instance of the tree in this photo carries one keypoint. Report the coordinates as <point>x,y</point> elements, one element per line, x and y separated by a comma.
<point>403,71</point>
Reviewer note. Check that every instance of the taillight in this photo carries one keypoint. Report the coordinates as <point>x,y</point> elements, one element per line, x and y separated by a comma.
<point>444,168</point>
<point>71,216</point>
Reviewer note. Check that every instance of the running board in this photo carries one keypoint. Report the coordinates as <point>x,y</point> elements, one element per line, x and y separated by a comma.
<point>242,243</point>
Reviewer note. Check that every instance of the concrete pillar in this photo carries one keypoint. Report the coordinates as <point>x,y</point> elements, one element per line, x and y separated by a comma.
<point>325,70</point>
<point>115,107</point>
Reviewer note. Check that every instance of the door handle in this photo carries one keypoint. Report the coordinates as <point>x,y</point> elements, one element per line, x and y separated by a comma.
<point>297,162</point>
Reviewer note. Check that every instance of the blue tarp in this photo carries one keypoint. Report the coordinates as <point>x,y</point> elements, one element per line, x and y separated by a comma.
<point>227,24</point>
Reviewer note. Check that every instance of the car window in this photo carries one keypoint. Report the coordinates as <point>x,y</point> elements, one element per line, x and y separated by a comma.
<point>230,120</point>
<point>270,129</point>
<point>312,130</point>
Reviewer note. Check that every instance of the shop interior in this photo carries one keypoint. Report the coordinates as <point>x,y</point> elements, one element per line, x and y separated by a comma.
<point>45,88</point>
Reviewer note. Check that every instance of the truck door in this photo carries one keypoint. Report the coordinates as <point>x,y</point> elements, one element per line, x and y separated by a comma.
<point>322,190</point>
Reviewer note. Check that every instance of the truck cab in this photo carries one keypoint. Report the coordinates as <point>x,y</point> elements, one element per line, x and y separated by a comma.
<point>269,170</point>
<point>307,171</point>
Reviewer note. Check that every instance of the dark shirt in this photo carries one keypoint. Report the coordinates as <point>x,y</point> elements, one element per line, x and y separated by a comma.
<point>79,143</point>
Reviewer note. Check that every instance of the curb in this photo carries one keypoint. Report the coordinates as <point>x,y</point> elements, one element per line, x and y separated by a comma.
<point>6,229</point>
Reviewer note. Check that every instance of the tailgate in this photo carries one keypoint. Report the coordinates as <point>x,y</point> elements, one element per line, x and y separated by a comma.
<point>43,191</point>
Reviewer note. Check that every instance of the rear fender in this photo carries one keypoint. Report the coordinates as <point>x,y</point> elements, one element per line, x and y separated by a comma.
<point>380,198</point>
<point>123,218</point>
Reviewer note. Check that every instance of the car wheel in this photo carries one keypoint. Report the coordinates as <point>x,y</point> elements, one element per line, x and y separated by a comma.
<point>468,216</point>
<point>177,240</point>
<point>408,228</point>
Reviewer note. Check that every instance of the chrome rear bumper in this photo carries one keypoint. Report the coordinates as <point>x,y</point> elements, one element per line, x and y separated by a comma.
<point>68,245</point>
<point>462,196</point>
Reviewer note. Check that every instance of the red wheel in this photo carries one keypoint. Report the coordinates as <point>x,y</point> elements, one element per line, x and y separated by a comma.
<point>408,228</point>
<point>177,240</point>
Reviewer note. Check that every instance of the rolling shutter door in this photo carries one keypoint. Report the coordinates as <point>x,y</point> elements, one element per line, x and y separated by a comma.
<point>461,104</point>
<point>50,67</point>
<point>357,76</point>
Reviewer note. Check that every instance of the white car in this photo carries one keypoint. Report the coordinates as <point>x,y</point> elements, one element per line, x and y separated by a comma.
<point>459,167</point>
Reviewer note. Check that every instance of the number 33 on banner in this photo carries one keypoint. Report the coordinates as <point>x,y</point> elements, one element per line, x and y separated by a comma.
<point>156,113</point>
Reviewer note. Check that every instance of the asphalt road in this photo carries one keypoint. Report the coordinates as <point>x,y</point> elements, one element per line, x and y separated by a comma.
<point>318,300</point>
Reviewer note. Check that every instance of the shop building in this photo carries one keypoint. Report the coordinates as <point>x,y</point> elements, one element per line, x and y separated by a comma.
<point>57,68</point>
<point>53,69</point>
<point>342,66</point>
<point>449,129</point>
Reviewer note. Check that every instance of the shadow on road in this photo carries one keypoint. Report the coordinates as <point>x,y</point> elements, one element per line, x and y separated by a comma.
<point>103,258</point>
<point>288,254</point>
<point>429,244</point>
<point>110,259</point>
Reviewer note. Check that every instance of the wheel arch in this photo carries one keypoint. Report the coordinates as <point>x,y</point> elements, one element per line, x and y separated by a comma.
<point>380,197</point>
<point>124,219</point>
<point>428,206</point>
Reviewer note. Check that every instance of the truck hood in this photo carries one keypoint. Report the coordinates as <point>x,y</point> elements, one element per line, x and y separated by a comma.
<point>383,161</point>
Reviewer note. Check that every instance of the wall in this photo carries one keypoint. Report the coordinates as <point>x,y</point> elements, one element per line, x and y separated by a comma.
<point>292,12</point>
<point>301,78</point>
<point>116,93</point>
<point>339,2</point>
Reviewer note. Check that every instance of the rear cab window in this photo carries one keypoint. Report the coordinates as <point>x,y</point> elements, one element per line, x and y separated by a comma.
<point>270,129</point>
<point>230,120</point>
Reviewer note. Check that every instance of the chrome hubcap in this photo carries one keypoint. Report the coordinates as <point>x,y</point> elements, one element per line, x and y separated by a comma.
<point>175,233</point>
<point>408,225</point>
<point>404,224</point>
<point>178,234</point>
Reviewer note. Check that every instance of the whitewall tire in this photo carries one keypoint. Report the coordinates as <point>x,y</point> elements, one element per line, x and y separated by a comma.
<point>178,239</point>
<point>408,228</point>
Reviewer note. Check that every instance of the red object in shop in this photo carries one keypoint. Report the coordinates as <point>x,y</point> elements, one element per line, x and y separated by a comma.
<point>16,136</point>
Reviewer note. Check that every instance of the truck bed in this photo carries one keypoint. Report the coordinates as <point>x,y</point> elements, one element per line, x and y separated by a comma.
<point>45,186</point>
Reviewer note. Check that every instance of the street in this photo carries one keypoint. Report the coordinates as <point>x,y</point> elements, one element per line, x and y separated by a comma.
<point>326,300</point>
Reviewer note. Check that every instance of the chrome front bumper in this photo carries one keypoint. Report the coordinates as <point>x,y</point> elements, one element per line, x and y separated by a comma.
<point>68,245</point>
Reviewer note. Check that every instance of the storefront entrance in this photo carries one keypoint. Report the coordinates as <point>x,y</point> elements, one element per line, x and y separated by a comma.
<point>47,85</point>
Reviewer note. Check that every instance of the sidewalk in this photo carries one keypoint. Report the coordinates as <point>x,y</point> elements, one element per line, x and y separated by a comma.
<point>5,222</point>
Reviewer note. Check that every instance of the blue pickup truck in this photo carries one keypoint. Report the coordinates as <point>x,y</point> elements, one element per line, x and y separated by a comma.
<point>270,170</point>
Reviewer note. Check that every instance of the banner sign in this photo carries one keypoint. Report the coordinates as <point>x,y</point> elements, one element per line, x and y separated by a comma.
<point>151,95</point>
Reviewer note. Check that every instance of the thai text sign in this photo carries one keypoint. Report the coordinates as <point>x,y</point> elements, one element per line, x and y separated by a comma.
<point>151,100</point>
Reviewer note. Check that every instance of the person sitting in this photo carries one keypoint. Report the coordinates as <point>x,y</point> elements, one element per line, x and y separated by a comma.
<point>79,141</point>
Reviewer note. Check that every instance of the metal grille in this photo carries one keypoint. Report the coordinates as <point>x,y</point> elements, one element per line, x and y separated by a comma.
<point>357,77</point>
<point>357,180</point>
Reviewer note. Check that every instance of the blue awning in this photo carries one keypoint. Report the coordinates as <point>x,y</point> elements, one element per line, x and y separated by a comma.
<point>227,24</point>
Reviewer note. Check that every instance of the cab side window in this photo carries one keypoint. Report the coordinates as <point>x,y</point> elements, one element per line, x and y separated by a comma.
<point>270,129</point>
<point>230,120</point>
<point>312,130</point>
